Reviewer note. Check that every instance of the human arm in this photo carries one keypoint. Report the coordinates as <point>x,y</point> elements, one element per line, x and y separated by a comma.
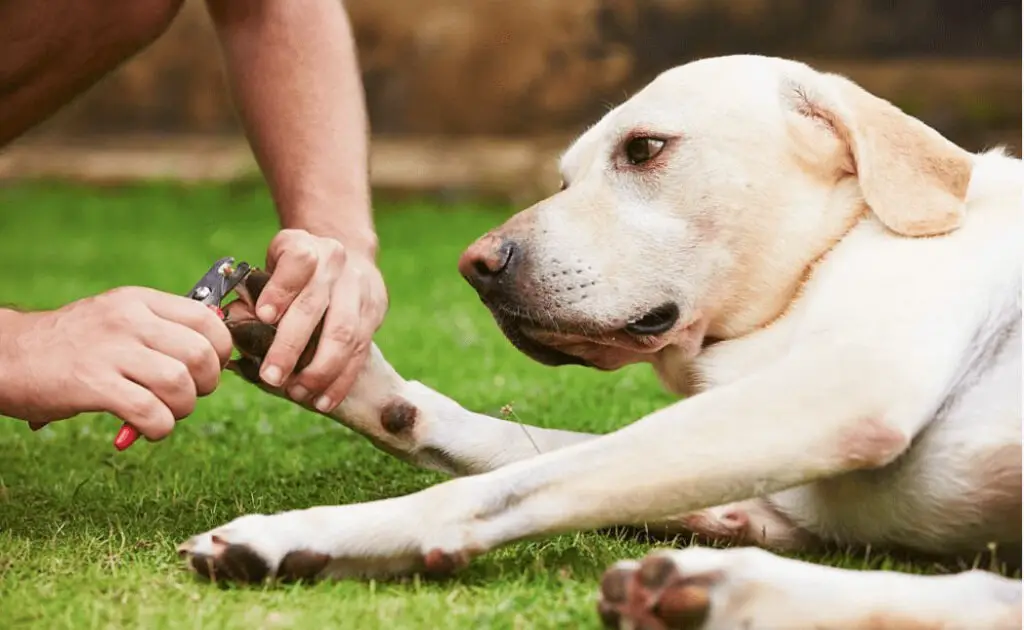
<point>294,75</point>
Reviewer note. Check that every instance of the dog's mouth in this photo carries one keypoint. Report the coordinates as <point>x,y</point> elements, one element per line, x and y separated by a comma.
<point>515,330</point>
<point>657,321</point>
<point>606,346</point>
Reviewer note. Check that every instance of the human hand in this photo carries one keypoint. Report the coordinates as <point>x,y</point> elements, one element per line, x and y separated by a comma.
<point>316,279</point>
<point>140,354</point>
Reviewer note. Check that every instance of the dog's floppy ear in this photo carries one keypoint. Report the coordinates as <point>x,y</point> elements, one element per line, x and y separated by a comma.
<point>913,179</point>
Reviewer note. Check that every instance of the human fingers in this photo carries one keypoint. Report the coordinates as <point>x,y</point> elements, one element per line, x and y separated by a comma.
<point>139,407</point>
<point>294,332</point>
<point>165,377</point>
<point>188,347</point>
<point>338,344</point>
<point>292,260</point>
<point>193,315</point>
<point>373,308</point>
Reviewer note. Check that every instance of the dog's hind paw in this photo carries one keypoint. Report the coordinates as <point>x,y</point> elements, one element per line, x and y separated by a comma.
<point>699,588</point>
<point>654,593</point>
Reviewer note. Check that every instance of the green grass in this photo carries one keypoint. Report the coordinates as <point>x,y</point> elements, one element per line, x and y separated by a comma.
<point>87,535</point>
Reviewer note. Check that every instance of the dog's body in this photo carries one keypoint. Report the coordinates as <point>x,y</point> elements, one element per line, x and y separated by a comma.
<point>835,286</point>
<point>957,484</point>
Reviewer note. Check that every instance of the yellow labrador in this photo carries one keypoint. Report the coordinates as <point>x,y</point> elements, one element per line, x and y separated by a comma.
<point>834,285</point>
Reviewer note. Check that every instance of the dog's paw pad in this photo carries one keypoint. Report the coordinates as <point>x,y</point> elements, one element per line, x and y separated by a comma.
<point>213,557</point>
<point>652,594</point>
<point>302,566</point>
<point>217,559</point>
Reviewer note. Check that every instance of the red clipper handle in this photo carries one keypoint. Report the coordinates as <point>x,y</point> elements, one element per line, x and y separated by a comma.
<point>128,434</point>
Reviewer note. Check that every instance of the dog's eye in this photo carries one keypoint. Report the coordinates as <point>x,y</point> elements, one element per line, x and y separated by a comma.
<point>642,149</point>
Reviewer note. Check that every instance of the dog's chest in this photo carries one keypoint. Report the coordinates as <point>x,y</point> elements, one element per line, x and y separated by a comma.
<point>728,361</point>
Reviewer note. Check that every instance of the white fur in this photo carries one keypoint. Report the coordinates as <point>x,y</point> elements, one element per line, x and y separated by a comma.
<point>863,385</point>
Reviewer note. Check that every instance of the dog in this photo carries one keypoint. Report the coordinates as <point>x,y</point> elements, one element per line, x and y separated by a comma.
<point>833,288</point>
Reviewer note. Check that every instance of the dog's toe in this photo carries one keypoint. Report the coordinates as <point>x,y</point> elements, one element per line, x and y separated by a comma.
<point>185,548</point>
<point>615,587</point>
<point>652,594</point>
<point>217,559</point>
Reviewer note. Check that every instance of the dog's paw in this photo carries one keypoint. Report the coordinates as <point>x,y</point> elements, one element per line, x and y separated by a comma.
<point>252,549</point>
<point>658,592</point>
<point>705,589</point>
<point>370,540</point>
<point>701,588</point>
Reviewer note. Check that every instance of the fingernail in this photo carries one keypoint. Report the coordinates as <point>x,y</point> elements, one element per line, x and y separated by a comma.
<point>267,313</point>
<point>298,393</point>
<point>272,376</point>
<point>324,404</point>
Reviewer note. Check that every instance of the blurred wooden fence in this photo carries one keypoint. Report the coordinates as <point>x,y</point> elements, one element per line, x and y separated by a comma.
<point>517,77</point>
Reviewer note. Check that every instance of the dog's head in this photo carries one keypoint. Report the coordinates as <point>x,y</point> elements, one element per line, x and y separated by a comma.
<point>694,210</point>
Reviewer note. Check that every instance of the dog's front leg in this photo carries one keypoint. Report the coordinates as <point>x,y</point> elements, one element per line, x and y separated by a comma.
<point>421,426</point>
<point>817,413</point>
<point>404,418</point>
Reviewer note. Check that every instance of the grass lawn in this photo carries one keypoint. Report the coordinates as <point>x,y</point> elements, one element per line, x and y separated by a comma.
<point>87,535</point>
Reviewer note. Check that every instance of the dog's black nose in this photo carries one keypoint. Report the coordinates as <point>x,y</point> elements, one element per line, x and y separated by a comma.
<point>488,263</point>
